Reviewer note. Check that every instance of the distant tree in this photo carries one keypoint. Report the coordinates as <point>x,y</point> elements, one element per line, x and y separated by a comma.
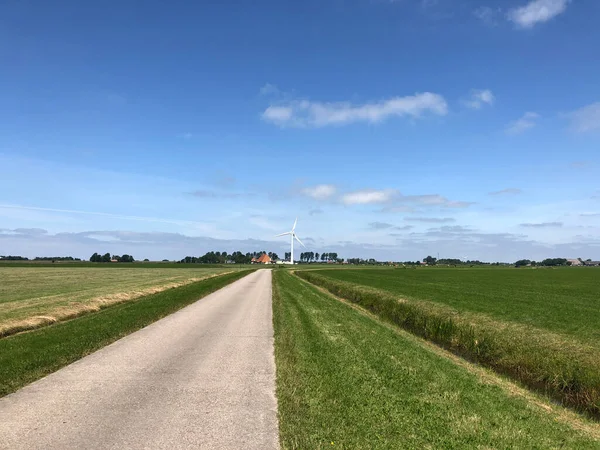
<point>430,260</point>
<point>522,263</point>
<point>106,257</point>
<point>551,262</point>
<point>146,260</point>
<point>14,258</point>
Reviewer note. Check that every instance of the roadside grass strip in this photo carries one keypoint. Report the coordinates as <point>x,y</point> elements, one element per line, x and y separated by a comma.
<point>347,380</point>
<point>562,368</point>
<point>29,356</point>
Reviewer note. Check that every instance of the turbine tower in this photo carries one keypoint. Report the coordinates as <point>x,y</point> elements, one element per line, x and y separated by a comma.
<point>292,237</point>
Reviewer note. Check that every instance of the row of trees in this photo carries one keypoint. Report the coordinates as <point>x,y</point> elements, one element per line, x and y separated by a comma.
<point>431,261</point>
<point>225,258</point>
<point>309,257</point>
<point>97,258</point>
<point>13,258</point>
<point>549,262</point>
<point>56,258</point>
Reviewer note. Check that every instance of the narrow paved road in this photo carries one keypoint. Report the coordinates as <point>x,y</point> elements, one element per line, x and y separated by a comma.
<point>203,377</point>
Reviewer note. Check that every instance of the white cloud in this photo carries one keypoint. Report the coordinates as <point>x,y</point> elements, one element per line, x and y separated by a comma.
<point>487,15</point>
<point>430,219</point>
<point>507,191</point>
<point>523,124</point>
<point>380,225</point>
<point>537,11</point>
<point>269,89</point>
<point>586,119</point>
<point>369,196</point>
<point>304,113</point>
<point>320,192</point>
<point>542,225</point>
<point>479,98</point>
<point>279,115</point>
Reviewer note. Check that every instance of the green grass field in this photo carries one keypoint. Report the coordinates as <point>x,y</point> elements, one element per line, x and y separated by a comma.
<point>33,296</point>
<point>565,301</point>
<point>538,326</point>
<point>346,380</point>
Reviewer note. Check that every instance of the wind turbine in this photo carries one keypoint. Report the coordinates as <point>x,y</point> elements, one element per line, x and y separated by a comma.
<point>292,237</point>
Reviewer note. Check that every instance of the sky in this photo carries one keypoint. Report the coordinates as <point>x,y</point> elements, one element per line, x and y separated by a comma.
<point>391,129</point>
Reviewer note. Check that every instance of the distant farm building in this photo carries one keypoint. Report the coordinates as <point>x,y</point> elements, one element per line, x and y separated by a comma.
<point>592,263</point>
<point>262,259</point>
<point>575,262</point>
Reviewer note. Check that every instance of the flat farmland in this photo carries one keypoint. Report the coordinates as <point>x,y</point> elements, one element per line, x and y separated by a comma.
<point>538,326</point>
<point>31,297</point>
<point>562,300</point>
<point>347,380</point>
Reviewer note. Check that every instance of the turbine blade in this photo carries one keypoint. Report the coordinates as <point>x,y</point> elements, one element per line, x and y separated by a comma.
<point>295,222</point>
<point>283,234</point>
<point>299,241</point>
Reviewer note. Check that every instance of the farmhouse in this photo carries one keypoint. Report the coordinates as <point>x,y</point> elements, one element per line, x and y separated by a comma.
<point>575,262</point>
<point>262,259</point>
<point>592,263</point>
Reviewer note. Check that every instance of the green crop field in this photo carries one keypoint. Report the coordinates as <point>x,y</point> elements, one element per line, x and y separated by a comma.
<point>33,296</point>
<point>347,380</point>
<point>541,327</point>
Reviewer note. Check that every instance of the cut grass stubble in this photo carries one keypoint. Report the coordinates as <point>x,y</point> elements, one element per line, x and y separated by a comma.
<point>36,297</point>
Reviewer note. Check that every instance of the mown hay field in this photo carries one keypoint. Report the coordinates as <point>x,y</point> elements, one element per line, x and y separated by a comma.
<point>31,297</point>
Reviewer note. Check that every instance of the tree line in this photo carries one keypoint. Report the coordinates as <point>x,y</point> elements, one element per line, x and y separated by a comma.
<point>13,258</point>
<point>106,258</point>
<point>56,258</point>
<point>549,262</point>
<point>309,257</point>
<point>227,258</point>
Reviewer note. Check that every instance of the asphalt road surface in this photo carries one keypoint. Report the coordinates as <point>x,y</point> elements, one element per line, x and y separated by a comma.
<point>203,377</point>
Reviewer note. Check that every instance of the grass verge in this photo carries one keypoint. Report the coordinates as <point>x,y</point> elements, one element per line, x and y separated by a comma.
<point>29,356</point>
<point>345,380</point>
<point>564,369</point>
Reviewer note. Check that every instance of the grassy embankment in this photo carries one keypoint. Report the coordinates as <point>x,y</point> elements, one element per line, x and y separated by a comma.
<point>28,356</point>
<point>347,380</point>
<point>35,296</point>
<point>535,326</point>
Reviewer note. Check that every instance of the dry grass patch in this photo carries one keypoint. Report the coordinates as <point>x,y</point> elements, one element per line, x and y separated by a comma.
<point>35,297</point>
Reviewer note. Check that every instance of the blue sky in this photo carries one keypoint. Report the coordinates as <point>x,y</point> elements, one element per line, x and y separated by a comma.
<point>391,129</point>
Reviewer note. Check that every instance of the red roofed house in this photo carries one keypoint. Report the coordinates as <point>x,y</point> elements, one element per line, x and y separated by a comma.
<point>262,259</point>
